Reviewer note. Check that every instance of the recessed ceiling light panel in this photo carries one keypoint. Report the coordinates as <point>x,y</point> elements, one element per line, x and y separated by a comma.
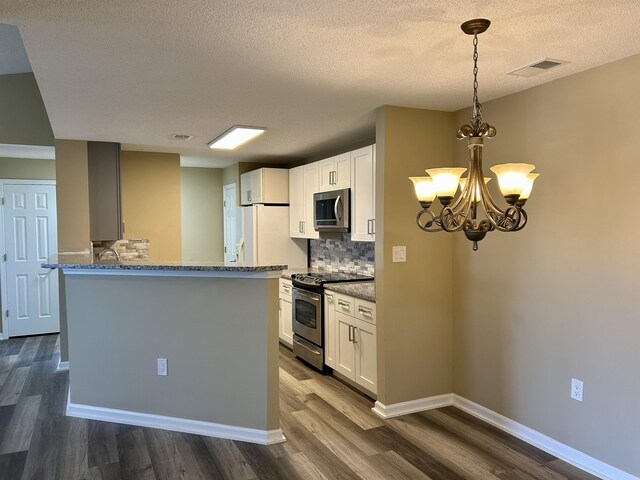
<point>235,136</point>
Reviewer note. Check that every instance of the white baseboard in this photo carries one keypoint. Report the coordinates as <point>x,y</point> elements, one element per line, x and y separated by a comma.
<point>413,406</point>
<point>62,366</point>
<point>537,439</point>
<point>543,442</point>
<point>252,435</point>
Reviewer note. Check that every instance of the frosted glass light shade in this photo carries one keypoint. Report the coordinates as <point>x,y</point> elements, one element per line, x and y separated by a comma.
<point>425,190</point>
<point>476,193</point>
<point>526,191</point>
<point>512,177</point>
<point>446,180</point>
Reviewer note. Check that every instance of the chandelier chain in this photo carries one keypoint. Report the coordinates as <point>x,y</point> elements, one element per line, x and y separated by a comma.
<point>477,107</point>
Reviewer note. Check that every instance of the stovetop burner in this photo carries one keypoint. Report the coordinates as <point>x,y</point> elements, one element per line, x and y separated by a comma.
<point>315,280</point>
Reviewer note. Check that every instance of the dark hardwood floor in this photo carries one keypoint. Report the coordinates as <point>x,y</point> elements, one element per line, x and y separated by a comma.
<point>330,429</point>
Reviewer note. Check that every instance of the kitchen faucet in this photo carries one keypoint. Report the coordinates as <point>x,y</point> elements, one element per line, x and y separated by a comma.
<point>109,250</point>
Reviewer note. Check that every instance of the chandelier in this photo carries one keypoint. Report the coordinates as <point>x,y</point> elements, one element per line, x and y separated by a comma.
<point>473,210</point>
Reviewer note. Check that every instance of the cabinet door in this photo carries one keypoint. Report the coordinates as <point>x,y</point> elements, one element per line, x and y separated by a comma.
<point>246,181</point>
<point>287,318</point>
<point>342,169</point>
<point>345,361</point>
<point>310,187</point>
<point>105,206</point>
<point>296,201</point>
<point>362,195</point>
<point>325,174</point>
<point>366,359</point>
<point>329,330</point>
<point>256,186</point>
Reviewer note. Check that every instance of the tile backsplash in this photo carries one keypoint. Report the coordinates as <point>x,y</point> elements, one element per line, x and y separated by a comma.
<point>129,249</point>
<point>340,254</point>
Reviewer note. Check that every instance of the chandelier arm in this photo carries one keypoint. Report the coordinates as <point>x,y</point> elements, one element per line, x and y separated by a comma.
<point>450,221</point>
<point>523,220</point>
<point>427,226</point>
<point>461,202</point>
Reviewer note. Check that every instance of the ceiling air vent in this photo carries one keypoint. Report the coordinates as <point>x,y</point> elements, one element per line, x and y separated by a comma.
<point>182,136</point>
<point>537,67</point>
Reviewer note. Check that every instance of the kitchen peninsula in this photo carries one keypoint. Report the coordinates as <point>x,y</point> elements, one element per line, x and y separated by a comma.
<point>215,324</point>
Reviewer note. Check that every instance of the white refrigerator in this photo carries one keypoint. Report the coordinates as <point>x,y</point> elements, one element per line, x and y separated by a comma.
<point>265,238</point>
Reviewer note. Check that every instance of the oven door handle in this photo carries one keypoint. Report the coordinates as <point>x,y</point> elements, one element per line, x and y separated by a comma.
<point>335,208</point>
<point>314,297</point>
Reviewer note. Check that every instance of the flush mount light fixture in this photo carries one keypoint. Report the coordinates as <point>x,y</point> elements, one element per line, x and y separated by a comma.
<point>462,213</point>
<point>235,136</point>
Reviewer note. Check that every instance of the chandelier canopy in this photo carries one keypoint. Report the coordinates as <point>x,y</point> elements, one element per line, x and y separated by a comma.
<point>473,210</point>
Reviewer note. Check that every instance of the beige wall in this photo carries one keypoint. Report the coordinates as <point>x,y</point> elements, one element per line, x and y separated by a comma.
<point>414,311</point>
<point>559,299</point>
<point>72,195</point>
<point>23,117</point>
<point>201,214</point>
<point>219,336</point>
<point>27,168</point>
<point>151,201</point>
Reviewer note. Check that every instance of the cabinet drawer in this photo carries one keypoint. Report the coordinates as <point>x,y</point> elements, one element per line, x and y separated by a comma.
<point>285,286</point>
<point>365,310</point>
<point>345,304</point>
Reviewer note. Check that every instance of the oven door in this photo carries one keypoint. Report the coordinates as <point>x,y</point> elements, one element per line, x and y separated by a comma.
<point>307,315</point>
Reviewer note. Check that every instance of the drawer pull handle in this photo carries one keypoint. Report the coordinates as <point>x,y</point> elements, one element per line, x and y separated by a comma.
<point>365,311</point>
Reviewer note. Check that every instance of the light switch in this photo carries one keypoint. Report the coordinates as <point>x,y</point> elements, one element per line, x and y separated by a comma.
<point>399,254</point>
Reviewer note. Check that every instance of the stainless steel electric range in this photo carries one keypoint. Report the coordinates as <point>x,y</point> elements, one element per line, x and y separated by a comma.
<point>308,312</point>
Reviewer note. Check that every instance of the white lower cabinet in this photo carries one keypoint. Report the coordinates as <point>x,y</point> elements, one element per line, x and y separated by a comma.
<point>285,314</point>
<point>351,339</point>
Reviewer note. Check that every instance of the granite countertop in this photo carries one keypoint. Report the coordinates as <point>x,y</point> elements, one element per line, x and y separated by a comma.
<point>87,262</point>
<point>364,290</point>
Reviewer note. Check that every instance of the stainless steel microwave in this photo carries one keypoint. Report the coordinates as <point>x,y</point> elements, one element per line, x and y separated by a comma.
<point>331,211</point>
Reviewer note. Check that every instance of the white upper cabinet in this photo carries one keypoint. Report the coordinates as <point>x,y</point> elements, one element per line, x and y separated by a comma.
<point>363,194</point>
<point>335,172</point>
<point>296,201</point>
<point>265,185</point>
<point>303,183</point>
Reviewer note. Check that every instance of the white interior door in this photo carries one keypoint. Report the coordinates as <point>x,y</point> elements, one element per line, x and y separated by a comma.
<point>230,223</point>
<point>30,238</point>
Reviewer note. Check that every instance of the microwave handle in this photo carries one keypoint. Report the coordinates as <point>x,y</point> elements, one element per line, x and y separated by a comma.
<point>335,208</point>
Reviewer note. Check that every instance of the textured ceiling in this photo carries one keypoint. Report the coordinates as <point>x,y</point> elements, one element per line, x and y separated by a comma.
<point>313,72</point>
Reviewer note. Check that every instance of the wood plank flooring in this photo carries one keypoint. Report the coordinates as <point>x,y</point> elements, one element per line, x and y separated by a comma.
<point>330,429</point>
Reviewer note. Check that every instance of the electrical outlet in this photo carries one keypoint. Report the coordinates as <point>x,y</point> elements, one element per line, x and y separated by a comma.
<point>576,389</point>
<point>162,367</point>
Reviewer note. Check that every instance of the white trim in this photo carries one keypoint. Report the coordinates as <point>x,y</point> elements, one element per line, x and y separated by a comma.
<point>252,435</point>
<point>412,406</point>
<point>34,152</point>
<point>174,273</point>
<point>62,366</point>
<point>3,265</point>
<point>532,437</point>
<point>543,442</point>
